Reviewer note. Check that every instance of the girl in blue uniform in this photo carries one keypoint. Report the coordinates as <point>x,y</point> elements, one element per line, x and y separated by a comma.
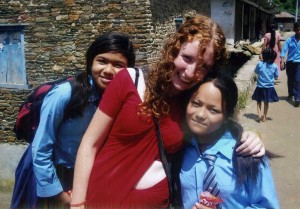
<point>45,173</point>
<point>242,181</point>
<point>265,91</point>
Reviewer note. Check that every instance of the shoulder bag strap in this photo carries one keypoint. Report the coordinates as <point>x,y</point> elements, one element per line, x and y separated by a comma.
<point>137,74</point>
<point>163,157</point>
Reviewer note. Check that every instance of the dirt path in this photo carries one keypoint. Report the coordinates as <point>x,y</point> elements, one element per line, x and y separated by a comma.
<point>280,134</point>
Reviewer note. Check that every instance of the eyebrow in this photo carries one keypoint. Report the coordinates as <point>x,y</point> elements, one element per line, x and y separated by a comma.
<point>111,60</point>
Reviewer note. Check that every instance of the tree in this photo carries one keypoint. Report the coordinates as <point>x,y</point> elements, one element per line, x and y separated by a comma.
<point>287,6</point>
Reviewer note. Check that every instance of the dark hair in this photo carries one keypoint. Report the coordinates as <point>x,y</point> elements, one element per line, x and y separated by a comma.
<point>296,25</point>
<point>246,168</point>
<point>81,88</point>
<point>110,42</point>
<point>273,37</point>
<point>229,92</point>
<point>269,55</point>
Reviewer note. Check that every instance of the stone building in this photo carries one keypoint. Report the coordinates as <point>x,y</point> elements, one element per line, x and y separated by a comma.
<point>41,40</point>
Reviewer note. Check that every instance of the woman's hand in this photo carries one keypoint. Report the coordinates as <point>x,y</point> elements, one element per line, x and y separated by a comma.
<point>282,65</point>
<point>251,144</point>
<point>64,198</point>
<point>200,206</point>
<point>78,207</point>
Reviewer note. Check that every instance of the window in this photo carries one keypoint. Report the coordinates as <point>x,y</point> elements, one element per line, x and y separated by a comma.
<point>12,57</point>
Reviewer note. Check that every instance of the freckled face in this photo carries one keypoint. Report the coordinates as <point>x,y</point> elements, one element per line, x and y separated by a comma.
<point>204,113</point>
<point>186,74</point>
<point>105,66</point>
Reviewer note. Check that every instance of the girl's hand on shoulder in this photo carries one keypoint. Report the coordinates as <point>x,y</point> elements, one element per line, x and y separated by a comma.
<point>200,206</point>
<point>251,144</point>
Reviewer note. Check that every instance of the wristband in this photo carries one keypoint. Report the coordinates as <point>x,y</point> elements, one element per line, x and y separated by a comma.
<point>77,204</point>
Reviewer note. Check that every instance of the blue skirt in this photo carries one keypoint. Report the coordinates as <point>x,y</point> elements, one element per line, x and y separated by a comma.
<point>265,95</point>
<point>24,193</point>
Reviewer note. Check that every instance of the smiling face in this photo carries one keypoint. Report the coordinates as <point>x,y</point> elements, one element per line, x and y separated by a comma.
<point>105,66</point>
<point>204,113</point>
<point>186,73</point>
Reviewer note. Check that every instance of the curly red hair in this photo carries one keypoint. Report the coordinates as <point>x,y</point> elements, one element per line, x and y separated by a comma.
<point>157,94</point>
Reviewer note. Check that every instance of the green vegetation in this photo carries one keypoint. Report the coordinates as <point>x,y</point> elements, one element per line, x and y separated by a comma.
<point>242,100</point>
<point>287,6</point>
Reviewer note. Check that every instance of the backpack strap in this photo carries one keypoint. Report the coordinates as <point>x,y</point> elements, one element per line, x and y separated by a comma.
<point>137,77</point>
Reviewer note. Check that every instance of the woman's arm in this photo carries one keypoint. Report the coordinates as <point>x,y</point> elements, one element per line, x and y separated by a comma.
<point>251,144</point>
<point>92,141</point>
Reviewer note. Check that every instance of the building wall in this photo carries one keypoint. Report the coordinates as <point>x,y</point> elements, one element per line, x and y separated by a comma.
<point>223,12</point>
<point>240,20</point>
<point>58,33</point>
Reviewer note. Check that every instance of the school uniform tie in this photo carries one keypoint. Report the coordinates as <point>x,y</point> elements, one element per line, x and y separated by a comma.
<point>210,183</point>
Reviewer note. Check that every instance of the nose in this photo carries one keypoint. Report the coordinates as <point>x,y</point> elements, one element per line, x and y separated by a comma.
<point>109,69</point>
<point>200,114</point>
<point>191,71</point>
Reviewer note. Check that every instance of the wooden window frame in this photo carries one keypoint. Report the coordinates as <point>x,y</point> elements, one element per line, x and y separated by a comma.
<point>18,78</point>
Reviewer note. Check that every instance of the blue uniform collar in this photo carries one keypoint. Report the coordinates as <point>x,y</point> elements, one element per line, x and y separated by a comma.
<point>224,146</point>
<point>94,96</point>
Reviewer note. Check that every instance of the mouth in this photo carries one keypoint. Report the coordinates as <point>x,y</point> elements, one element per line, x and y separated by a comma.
<point>199,122</point>
<point>183,79</point>
<point>105,79</point>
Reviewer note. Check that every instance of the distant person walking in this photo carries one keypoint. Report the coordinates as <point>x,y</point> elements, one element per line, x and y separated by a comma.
<point>292,48</point>
<point>272,40</point>
<point>265,91</point>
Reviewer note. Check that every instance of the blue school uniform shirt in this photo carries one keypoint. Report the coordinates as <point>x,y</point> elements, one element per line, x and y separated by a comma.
<point>292,47</point>
<point>257,195</point>
<point>56,141</point>
<point>266,74</point>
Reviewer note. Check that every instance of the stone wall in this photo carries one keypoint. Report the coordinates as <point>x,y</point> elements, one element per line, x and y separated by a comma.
<point>59,31</point>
